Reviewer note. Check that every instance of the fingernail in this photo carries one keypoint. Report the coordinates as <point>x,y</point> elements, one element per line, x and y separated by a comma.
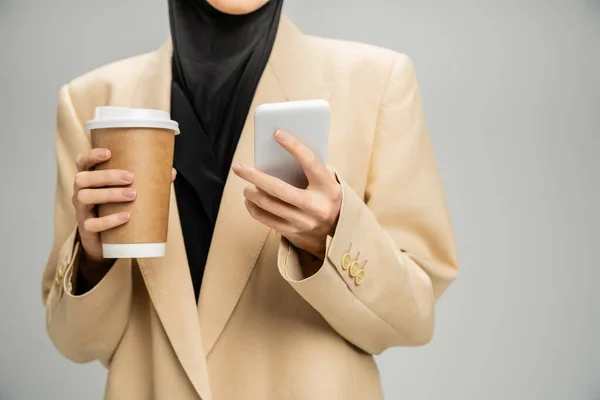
<point>126,176</point>
<point>281,135</point>
<point>105,154</point>
<point>237,167</point>
<point>129,193</point>
<point>124,216</point>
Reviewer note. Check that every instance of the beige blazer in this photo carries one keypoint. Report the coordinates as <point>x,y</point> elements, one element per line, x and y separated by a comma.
<point>260,331</point>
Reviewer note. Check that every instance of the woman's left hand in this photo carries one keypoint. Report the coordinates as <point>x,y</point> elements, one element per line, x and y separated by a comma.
<point>303,216</point>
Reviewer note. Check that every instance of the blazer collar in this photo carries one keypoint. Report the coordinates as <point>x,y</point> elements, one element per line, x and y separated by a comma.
<point>298,64</point>
<point>294,72</point>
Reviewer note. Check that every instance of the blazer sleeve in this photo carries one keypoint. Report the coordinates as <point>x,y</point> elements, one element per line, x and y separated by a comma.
<point>400,235</point>
<point>86,327</point>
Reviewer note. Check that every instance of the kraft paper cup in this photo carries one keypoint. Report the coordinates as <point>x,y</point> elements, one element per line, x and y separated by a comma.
<point>141,141</point>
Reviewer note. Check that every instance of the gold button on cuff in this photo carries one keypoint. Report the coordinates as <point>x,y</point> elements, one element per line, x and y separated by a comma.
<point>354,268</point>
<point>346,261</point>
<point>59,275</point>
<point>360,277</point>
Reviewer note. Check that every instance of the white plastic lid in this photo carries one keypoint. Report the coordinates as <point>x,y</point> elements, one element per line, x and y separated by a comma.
<point>125,117</point>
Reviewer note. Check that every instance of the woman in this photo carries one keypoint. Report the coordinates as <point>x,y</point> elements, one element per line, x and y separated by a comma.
<point>300,287</point>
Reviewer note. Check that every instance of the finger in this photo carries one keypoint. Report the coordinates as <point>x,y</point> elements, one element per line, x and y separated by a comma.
<point>107,195</point>
<point>109,177</point>
<point>267,219</point>
<point>273,205</point>
<point>314,169</point>
<point>173,174</point>
<point>102,224</point>
<point>92,158</point>
<point>273,186</point>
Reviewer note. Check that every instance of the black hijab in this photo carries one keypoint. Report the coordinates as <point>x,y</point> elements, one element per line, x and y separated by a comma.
<point>218,60</point>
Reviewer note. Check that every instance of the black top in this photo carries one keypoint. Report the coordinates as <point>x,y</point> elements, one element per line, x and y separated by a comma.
<point>218,60</point>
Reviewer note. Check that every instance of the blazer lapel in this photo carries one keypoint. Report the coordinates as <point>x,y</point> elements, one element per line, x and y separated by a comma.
<point>238,239</point>
<point>168,279</point>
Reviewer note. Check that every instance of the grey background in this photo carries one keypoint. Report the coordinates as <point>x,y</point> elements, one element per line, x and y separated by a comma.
<point>511,89</point>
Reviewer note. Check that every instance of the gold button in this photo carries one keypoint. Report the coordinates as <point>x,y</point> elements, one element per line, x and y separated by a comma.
<point>346,261</point>
<point>354,268</point>
<point>360,277</point>
<point>59,275</point>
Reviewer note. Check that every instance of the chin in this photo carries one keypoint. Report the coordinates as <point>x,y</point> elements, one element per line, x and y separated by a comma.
<point>237,7</point>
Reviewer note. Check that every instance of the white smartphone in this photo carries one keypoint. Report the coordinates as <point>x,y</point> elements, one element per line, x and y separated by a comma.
<point>307,120</point>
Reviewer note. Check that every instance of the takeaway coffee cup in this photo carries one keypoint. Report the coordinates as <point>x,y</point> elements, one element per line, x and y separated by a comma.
<point>141,141</point>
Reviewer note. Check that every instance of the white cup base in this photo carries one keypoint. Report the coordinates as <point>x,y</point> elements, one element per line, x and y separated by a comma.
<point>137,250</point>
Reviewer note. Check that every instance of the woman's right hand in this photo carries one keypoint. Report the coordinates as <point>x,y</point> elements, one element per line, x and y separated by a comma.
<point>92,188</point>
